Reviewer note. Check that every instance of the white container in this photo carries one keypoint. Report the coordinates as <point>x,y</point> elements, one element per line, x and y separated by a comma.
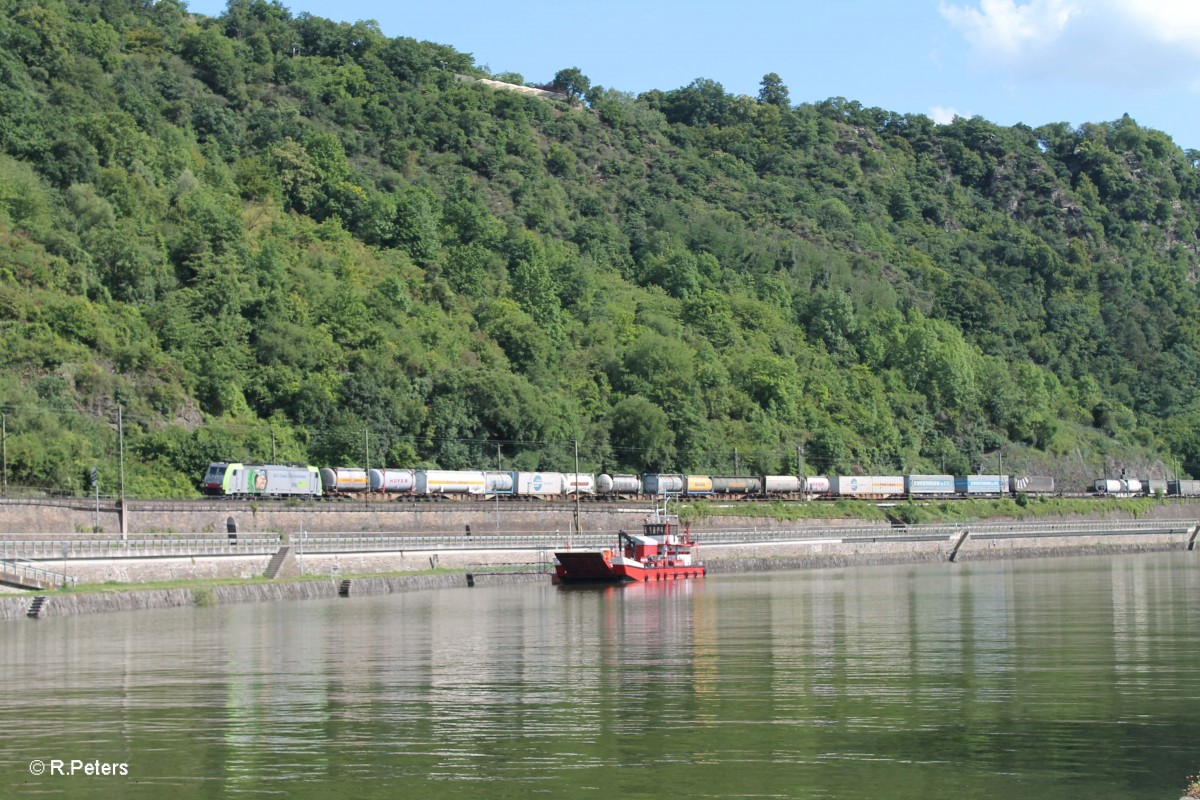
<point>619,484</point>
<point>816,484</point>
<point>581,482</point>
<point>540,484</point>
<point>445,481</point>
<point>782,484</point>
<point>867,485</point>
<point>393,481</point>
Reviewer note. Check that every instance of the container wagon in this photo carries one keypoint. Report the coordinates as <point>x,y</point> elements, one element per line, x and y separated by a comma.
<point>1031,484</point>
<point>929,485</point>
<point>872,486</point>
<point>978,485</point>
<point>1183,488</point>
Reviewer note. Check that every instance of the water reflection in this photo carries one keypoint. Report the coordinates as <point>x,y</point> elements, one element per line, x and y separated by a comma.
<point>1068,678</point>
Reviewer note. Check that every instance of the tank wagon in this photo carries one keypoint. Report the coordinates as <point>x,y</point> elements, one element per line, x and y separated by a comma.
<point>1148,487</point>
<point>342,479</point>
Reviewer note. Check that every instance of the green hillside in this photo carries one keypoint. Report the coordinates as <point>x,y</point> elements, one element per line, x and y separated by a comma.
<point>271,236</point>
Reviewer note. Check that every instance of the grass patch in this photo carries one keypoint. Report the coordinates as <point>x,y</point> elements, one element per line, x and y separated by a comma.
<point>921,512</point>
<point>199,584</point>
<point>781,510</point>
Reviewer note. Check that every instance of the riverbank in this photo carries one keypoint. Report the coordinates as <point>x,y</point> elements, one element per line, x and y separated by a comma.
<point>210,593</point>
<point>198,581</point>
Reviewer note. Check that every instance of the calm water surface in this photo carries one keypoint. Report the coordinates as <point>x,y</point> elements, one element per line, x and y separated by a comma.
<point>1064,678</point>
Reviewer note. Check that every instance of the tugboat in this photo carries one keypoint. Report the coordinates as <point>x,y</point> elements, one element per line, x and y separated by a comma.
<point>658,553</point>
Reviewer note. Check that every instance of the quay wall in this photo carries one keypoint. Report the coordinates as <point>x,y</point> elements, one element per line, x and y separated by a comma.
<point>60,605</point>
<point>25,517</point>
<point>398,518</point>
<point>721,559</point>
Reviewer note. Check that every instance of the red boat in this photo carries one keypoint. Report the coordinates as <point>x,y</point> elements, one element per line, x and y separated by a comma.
<point>658,553</point>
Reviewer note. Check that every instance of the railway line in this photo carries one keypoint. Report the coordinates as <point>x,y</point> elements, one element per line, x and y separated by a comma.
<point>69,546</point>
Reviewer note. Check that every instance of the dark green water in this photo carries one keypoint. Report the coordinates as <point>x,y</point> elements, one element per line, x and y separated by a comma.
<point>1065,678</point>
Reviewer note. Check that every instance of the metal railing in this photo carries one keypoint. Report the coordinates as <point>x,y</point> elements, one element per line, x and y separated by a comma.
<point>989,530</point>
<point>325,542</point>
<point>137,546</point>
<point>74,546</point>
<point>30,575</point>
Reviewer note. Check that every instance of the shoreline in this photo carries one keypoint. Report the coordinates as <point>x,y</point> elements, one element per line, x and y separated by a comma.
<point>720,559</point>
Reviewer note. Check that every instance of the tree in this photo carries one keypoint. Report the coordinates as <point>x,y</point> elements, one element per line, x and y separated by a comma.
<point>571,82</point>
<point>773,92</point>
<point>641,435</point>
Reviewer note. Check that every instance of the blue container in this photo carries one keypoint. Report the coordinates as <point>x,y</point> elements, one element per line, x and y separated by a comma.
<point>980,484</point>
<point>929,484</point>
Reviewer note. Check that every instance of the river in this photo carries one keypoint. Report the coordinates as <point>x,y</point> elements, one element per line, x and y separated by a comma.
<point>1064,678</point>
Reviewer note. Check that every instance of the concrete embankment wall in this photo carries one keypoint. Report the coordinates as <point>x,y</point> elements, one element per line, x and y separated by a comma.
<point>278,517</point>
<point>720,559</point>
<point>142,570</point>
<point>795,554</point>
<point>807,555</point>
<point>58,605</point>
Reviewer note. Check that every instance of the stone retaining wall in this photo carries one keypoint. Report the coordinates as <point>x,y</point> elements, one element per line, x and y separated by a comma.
<point>741,558</point>
<point>282,517</point>
<point>59,605</point>
<point>719,557</point>
<point>142,570</point>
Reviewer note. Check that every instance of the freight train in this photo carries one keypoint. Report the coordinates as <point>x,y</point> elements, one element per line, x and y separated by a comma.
<point>229,479</point>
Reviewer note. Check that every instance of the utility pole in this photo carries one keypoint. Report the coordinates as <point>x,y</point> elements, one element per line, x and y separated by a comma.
<point>367,452</point>
<point>500,469</point>
<point>4,448</point>
<point>575,478</point>
<point>96,491</point>
<point>273,457</point>
<point>121,473</point>
<point>737,466</point>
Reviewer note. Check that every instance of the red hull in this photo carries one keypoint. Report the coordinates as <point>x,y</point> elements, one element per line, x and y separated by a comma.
<point>591,566</point>
<point>584,566</point>
<point>648,574</point>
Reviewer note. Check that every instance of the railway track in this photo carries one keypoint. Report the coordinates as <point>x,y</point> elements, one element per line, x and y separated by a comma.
<point>69,546</point>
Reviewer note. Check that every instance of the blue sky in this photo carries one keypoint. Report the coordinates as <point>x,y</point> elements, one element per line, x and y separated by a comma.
<point>1035,61</point>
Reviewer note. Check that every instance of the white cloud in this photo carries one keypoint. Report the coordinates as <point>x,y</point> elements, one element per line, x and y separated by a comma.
<point>1001,29</point>
<point>1129,43</point>
<point>944,116</point>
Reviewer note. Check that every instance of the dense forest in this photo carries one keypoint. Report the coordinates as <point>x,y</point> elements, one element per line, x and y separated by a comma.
<point>269,236</point>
